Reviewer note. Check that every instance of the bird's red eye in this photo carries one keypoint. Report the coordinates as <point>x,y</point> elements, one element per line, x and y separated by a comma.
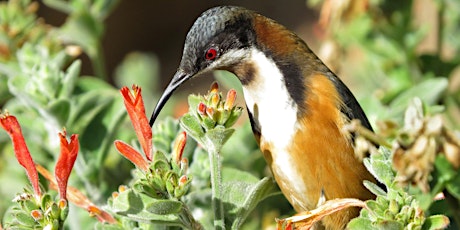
<point>211,54</point>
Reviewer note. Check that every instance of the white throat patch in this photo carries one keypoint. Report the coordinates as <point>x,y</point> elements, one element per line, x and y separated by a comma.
<point>277,112</point>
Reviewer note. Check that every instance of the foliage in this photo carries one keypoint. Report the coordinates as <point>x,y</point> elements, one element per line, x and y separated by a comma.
<point>202,182</point>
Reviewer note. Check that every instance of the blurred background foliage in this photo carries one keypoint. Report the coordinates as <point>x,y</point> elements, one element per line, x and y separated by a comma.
<point>63,61</point>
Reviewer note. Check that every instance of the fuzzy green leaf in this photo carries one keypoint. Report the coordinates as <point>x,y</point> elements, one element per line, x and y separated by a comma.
<point>435,222</point>
<point>88,106</point>
<point>242,192</point>
<point>85,84</point>
<point>60,109</point>
<point>25,219</point>
<point>375,189</point>
<point>192,126</point>
<point>360,224</point>
<point>380,169</point>
<point>70,79</point>
<point>218,136</point>
<point>134,206</point>
<point>193,101</point>
<point>429,91</point>
<point>164,207</point>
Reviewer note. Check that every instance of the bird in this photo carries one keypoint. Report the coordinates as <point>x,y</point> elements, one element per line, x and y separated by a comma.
<point>297,106</point>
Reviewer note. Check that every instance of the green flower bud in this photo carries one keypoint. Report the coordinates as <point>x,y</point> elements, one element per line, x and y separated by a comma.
<point>54,211</point>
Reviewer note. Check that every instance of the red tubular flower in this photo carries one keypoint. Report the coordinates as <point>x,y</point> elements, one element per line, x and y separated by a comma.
<point>12,127</point>
<point>135,106</point>
<point>64,164</point>
<point>132,155</point>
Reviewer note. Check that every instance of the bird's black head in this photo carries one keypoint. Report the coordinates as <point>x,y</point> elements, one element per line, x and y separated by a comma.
<point>218,39</point>
<point>216,32</point>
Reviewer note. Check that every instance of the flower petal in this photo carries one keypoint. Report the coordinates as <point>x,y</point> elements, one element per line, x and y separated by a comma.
<point>65,162</point>
<point>132,155</point>
<point>12,127</point>
<point>135,106</point>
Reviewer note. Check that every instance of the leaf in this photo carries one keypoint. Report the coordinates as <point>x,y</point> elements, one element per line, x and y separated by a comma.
<point>218,136</point>
<point>165,207</point>
<point>242,192</point>
<point>192,126</point>
<point>429,91</point>
<point>380,170</point>
<point>360,224</point>
<point>453,186</point>
<point>60,109</point>
<point>134,206</point>
<point>376,207</point>
<point>436,222</point>
<point>85,84</point>
<point>375,189</point>
<point>17,86</point>
<point>96,115</point>
<point>70,79</point>
<point>87,106</point>
<point>193,101</point>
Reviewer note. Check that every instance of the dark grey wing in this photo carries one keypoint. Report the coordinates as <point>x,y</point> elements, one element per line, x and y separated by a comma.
<point>352,108</point>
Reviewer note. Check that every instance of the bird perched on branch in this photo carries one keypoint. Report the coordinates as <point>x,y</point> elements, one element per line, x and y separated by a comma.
<point>297,106</point>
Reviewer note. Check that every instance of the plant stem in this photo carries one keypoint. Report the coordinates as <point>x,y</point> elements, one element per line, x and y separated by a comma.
<point>98,62</point>
<point>356,126</point>
<point>439,42</point>
<point>216,186</point>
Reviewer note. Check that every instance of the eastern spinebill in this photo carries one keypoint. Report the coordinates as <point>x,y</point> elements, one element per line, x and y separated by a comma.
<point>297,106</point>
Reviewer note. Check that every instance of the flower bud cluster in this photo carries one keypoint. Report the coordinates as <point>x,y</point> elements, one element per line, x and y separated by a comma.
<point>31,213</point>
<point>396,209</point>
<point>212,110</point>
<point>166,178</point>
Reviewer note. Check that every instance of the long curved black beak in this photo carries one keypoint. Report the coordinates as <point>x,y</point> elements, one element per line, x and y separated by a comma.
<point>179,78</point>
